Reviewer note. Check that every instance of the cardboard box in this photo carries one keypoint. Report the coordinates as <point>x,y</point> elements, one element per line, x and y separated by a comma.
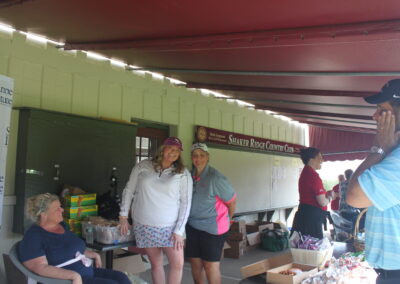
<point>238,226</point>
<point>270,226</point>
<point>252,227</point>
<point>236,236</point>
<point>262,266</point>
<point>253,239</point>
<point>80,200</point>
<point>311,257</point>
<point>129,263</point>
<point>236,250</point>
<point>274,277</point>
<point>257,226</point>
<point>226,246</point>
<point>80,212</point>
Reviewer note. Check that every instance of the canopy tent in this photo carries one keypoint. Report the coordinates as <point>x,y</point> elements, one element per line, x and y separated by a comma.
<point>307,60</point>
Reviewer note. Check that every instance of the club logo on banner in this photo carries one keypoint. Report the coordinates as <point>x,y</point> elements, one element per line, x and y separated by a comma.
<point>6,99</point>
<point>245,142</point>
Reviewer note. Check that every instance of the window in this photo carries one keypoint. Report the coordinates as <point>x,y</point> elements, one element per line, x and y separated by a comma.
<point>145,148</point>
<point>148,139</point>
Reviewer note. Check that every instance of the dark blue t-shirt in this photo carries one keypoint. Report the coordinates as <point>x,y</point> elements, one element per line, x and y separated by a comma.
<point>58,248</point>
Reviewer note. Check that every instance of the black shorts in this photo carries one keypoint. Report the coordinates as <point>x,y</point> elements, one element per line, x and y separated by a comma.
<point>200,244</point>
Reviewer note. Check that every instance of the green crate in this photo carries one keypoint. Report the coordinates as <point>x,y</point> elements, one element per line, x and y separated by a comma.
<point>80,200</point>
<point>80,212</point>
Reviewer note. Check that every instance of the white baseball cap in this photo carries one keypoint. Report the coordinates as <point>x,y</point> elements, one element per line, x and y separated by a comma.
<point>200,146</point>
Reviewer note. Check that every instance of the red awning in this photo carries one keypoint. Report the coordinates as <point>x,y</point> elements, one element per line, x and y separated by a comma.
<point>339,145</point>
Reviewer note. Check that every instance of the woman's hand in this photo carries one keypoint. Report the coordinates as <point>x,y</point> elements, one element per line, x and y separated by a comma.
<point>178,241</point>
<point>95,256</point>
<point>77,279</point>
<point>124,225</point>
<point>97,260</point>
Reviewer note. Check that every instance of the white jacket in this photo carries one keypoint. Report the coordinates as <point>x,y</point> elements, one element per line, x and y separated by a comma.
<point>160,199</point>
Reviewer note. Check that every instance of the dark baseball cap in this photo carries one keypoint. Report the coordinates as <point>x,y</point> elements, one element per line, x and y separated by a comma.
<point>389,92</point>
<point>173,141</point>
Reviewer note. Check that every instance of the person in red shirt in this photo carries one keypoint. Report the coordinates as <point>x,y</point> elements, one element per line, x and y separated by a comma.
<point>311,213</point>
<point>335,202</point>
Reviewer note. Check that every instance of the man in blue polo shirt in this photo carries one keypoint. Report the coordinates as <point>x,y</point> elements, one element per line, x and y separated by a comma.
<point>376,185</point>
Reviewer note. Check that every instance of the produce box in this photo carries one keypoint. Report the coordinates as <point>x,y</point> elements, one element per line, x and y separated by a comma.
<point>74,226</point>
<point>80,200</point>
<point>311,257</point>
<point>261,267</point>
<point>80,212</point>
<point>275,277</point>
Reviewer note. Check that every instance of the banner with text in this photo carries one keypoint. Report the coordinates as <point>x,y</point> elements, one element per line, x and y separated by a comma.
<point>212,135</point>
<point>6,98</point>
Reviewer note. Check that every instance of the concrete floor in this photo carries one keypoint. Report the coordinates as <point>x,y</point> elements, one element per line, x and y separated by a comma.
<point>230,268</point>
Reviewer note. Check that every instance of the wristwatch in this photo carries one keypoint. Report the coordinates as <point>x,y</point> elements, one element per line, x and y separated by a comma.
<point>377,150</point>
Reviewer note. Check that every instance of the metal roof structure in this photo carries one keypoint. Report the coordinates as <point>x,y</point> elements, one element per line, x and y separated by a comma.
<point>309,60</point>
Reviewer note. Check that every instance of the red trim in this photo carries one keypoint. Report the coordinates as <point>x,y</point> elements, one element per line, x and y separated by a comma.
<point>340,142</point>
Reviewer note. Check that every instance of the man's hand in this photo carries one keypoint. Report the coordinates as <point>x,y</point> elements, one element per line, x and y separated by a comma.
<point>386,137</point>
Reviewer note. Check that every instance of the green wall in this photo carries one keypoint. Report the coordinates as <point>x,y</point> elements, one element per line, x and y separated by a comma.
<point>70,82</point>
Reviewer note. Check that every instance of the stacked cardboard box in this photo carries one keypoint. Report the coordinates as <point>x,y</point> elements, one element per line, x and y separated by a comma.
<point>258,226</point>
<point>253,232</point>
<point>236,240</point>
<point>77,207</point>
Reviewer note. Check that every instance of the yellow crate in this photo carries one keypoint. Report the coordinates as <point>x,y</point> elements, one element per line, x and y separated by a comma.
<point>80,212</point>
<point>80,200</point>
<point>73,224</point>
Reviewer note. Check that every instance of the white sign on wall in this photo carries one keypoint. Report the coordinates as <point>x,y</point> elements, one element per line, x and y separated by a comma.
<point>6,99</point>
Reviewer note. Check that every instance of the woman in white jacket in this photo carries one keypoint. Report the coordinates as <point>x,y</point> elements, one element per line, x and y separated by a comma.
<point>161,190</point>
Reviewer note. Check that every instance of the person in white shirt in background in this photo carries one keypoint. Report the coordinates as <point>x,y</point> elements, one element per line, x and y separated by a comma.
<point>161,190</point>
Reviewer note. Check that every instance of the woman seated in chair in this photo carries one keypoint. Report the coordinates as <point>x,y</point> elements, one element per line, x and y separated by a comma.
<point>51,250</point>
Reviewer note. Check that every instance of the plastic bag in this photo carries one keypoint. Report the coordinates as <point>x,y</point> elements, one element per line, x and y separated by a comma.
<point>108,206</point>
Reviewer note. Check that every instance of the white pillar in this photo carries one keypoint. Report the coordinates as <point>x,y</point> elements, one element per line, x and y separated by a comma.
<point>6,99</point>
